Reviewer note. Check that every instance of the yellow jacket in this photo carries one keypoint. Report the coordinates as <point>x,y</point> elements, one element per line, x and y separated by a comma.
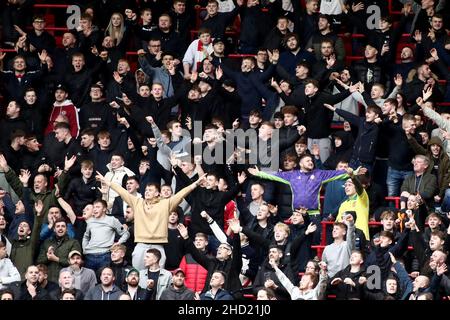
<point>359,204</point>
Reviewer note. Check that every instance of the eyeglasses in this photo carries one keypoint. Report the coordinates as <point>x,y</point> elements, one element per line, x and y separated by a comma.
<point>155,46</point>
<point>38,21</point>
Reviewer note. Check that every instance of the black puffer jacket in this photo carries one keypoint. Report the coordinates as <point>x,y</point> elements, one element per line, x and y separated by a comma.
<point>361,70</point>
<point>82,193</point>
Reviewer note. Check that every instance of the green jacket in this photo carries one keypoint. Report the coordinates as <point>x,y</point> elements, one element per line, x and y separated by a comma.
<point>444,162</point>
<point>48,198</point>
<point>23,251</point>
<point>427,189</point>
<point>61,249</point>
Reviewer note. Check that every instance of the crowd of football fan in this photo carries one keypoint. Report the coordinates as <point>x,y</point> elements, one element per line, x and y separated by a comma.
<point>225,150</point>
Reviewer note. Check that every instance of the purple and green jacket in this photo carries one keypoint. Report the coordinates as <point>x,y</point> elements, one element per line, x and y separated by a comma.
<point>305,186</point>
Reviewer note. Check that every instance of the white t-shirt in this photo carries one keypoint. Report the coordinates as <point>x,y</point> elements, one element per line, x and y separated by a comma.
<point>226,5</point>
<point>331,6</point>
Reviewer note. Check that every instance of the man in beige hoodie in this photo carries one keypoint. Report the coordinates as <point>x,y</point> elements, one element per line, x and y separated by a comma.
<point>151,216</point>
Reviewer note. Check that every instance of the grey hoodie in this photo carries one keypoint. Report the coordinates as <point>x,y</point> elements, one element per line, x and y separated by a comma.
<point>97,293</point>
<point>172,294</point>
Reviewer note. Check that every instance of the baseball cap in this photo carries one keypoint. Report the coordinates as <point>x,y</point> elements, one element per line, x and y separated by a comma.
<point>73,252</point>
<point>217,40</point>
<point>61,86</point>
<point>174,272</point>
<point>132,270</point>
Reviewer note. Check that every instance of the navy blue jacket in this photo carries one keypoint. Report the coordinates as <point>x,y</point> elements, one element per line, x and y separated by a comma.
<point>246,84</point>
<point>220,295</point>
<point>365,145</point>
<point>15,89</point>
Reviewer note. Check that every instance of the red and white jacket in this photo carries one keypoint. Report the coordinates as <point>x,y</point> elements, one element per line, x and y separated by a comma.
<point>196,53</point>
<point>68,109</point>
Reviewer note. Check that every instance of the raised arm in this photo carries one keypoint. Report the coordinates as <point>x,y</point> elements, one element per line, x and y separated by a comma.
<point>39,218</point>
<point>284,280</point>
<point>198,256</point>
<point>358,186</point>
<point>405,281</point>
<point>176,199</point>
<point>350,239</point>
<point>11,177</point>
<point>236,264</point>
<point>124,194</point>
<point>256,239</point>
<point>255,172</point>
<point>145,66</point>
<point>217,231</point>
<point>417,148</point>
<point>321,287</point>
<point>419,247</point>
<point>164,148</point>
<point>350,117</point>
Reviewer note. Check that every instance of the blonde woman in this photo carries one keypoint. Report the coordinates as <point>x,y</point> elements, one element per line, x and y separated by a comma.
<point>116,38</point>
<point>116,29</point>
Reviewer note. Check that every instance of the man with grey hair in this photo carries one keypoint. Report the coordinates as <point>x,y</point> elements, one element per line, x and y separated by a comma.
<point>421,183</point>
<point>66,281</point>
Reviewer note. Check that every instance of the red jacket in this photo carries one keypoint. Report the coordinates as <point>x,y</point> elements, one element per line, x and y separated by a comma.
<point>195,273</point>
<point>68,109</point>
